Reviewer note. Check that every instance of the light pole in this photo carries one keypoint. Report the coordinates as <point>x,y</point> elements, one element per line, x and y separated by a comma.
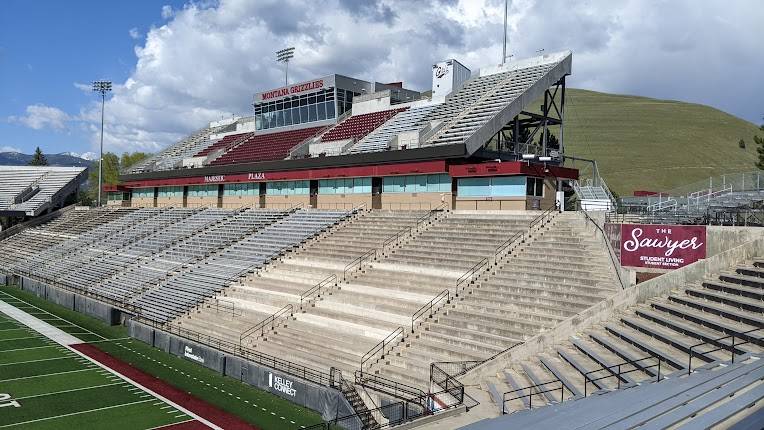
<point>504,52</point>
<point>284,56</point>
<point>101,87</point>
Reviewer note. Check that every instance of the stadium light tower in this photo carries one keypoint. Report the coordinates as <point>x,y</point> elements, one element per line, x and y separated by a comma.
<point>504,51</point>
<point>101,87</point>
<point>284,56</point>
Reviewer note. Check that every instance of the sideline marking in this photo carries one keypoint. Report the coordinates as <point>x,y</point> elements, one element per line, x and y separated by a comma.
<point>108,369</point>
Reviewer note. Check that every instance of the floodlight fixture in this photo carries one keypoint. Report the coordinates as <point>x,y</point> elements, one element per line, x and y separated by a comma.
<point>283,56</point>
<point>529,156</point>
<point>102,87</point>
<point>545,158</point>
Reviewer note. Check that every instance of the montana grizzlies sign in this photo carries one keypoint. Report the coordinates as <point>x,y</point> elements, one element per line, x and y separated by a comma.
<point>660,246</point>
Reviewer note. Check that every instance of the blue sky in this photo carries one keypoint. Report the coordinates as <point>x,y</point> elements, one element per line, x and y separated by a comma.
<point>46,47</point>
<point>177,65</point>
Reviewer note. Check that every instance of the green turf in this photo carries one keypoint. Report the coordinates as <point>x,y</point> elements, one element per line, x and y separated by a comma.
<point>56,388</point>
<point>226,393</point>
<point>649,144</point>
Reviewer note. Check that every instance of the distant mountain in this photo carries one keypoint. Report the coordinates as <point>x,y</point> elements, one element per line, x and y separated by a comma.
<point>65,159</point>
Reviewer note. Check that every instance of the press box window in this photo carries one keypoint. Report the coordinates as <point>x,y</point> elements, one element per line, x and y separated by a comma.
<point>535,187</point>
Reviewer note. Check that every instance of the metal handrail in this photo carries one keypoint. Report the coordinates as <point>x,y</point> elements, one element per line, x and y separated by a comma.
<point>543,218</point>
<point>358,261</point>
<point>228,306</point>
<point>530,395</point>
<point>506,244</point>
<point>616,264</point>
<point>316,289</point>
<point>374,381</point>
<point>264,323</point>
<point>395,236</point>
<point>380,347</point>
<point>427,307</point>
<point>717,341</point>
<point>618,372</point>
<point>469,274</point>
<point>294,369</point>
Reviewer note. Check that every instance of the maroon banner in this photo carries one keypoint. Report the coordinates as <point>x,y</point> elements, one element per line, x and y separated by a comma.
<point>660,246</point>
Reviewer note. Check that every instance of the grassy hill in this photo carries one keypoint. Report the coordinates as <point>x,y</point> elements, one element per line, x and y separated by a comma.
<point>648,144</point>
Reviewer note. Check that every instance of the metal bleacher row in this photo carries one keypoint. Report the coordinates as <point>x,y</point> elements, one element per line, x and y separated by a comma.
<point>29,189</point>
<point>209,276</point>
<point>162,260</point>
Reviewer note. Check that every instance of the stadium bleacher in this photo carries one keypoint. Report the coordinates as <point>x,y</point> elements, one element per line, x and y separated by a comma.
<point>172,156</point>
<point>373,303</point>
<point>33,189</point>
<point>663,329</point>
<point>473,107</point>
<point>357,126</point>
<point>379,139</point>
<point>211,275</point>
<point>266,147</point>
<point>225,143</point>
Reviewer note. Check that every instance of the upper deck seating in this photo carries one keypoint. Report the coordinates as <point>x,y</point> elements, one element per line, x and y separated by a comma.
<point>230,140</point>
<point>379,139</point>
<point>358,126</point>
<point>266,146</point>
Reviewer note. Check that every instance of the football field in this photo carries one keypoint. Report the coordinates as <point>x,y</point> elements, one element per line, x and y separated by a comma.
<point>44,385</point>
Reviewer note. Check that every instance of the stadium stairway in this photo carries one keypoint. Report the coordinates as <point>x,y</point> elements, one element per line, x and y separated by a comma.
<point>557,272</point>
<point>663,329</point>
<point>259,295</point>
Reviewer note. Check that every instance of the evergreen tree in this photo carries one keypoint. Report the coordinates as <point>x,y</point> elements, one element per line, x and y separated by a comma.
<point>38,159</point>
<point>759,141</point>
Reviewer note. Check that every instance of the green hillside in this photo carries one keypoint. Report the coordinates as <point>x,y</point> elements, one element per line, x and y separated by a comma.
<point>648,144</point>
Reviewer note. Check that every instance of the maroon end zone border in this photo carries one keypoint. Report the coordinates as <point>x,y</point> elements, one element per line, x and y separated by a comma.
<point>180,397</point>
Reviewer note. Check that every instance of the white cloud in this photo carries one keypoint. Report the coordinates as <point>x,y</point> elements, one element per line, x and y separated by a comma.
<point>208,58</point>
<point>135,34</point>
<point>167,12</point>
<point>39,116</point>
<point>7,148</point>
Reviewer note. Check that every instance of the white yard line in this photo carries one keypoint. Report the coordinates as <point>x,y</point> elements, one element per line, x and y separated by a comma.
<point>34,322</point>
<point>47,374</point>
<point>74,413</point>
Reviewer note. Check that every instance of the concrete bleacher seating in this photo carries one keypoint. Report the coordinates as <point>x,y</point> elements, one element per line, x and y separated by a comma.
<point>33,189</point>
<point>383,296</point>
<point>663,327</point>
<point>521,296</point>
<point>722,395</point>
<point>258,296</point>
<point>357,126</point>
<point>266,146</point>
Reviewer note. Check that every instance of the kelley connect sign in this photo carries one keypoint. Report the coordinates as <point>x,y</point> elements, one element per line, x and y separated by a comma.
<point>662,246</point>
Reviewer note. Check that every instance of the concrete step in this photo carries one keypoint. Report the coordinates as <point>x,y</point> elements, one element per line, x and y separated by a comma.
<point>471,334</point>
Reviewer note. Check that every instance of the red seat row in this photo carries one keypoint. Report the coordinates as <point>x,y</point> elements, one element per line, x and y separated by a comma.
<point>266,147</point>
<point>358,126</point>
<point>223,143</point>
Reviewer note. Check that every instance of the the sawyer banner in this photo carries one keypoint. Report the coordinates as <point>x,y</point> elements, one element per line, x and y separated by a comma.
<point>658,246</point>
